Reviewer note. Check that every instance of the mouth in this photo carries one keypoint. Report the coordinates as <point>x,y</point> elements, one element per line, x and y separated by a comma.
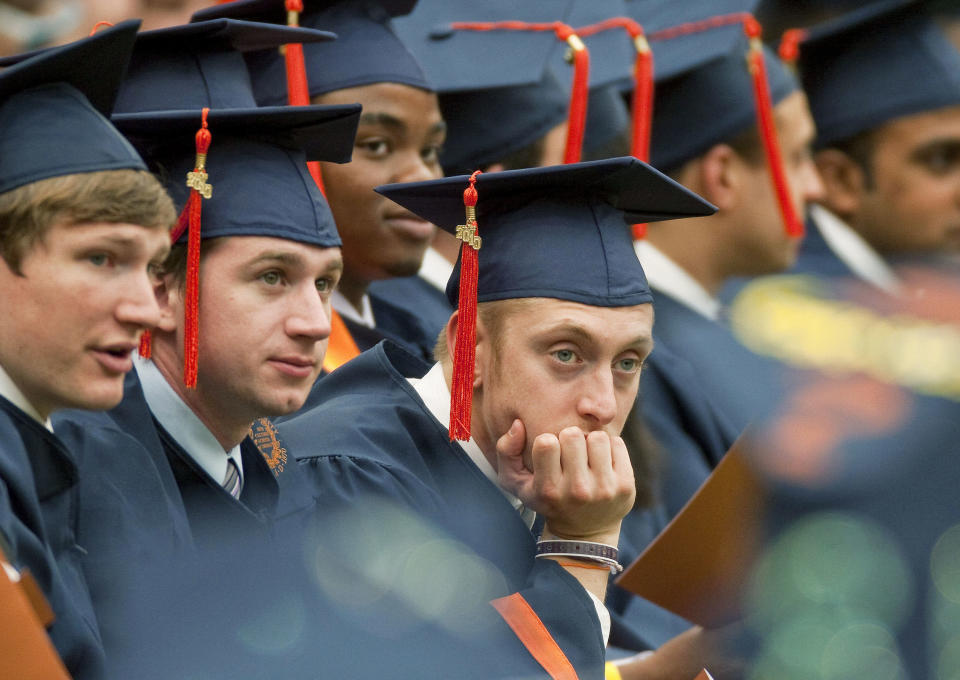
<point>409,226</point>
<point>116,358</point>
<point>294,366</point>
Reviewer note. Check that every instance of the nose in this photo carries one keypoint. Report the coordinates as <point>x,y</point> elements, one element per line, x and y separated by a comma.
<point>309,316</point>
<point>598,401</point>
<point>417,169</point>
<point>138,303</point>
<point>813,187</point>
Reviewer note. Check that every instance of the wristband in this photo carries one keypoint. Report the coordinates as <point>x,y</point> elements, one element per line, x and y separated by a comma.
<point>585,550</point>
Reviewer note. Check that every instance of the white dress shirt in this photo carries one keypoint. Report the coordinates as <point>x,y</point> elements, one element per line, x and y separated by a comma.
<point>345,308</point>
<point>433,390</point>
<point>435,269</point>
<point>13,394</point>
<point>669,278</point>
<point>183,424</point>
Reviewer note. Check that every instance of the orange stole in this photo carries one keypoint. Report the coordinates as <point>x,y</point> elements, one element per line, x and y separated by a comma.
<point>341,347</point>
<point>528,627</point>
<point>26,652</point>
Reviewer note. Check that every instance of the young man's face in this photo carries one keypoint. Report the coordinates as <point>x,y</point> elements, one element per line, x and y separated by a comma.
<point>913,204</point>
<point>73,318</point>
<point>398,140</point>
<point>558,364</point>
<point>762,244</point>
<point>264,324</point>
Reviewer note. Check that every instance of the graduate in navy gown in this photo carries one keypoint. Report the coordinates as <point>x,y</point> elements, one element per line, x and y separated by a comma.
<point>83,226</point>
<point>555,265</point>
<point>884,93</point>
<point>398,139</point>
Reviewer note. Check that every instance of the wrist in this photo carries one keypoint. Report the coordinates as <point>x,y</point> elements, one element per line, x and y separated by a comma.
<point>610,535</point>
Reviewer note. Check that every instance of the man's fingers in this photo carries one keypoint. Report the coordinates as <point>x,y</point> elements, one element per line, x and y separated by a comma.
<point>510,445</point>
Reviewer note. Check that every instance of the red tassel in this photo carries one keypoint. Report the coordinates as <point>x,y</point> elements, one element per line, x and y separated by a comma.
<point>146,346</point>
<point>768,133</point>
<point>298,89</point>
<point>642,114</point>
<point>790,44</point>
<point>464,355</point>
<point>190,219</point>
<point>98,25</point>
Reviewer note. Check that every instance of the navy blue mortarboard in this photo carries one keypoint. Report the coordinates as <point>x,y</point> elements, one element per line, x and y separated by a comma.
<point>366,50</point>
<point>52,108</point>
<point>259,184</point>
<point>611,67</point>
<point>704,94</point>
<point>557,232</point>
<point>714,79</point>
<point>496,89</point>
<point>176,72</point>
<point>884,61</point>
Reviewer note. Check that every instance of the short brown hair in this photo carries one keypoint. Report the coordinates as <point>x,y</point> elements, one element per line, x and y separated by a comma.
<point>115,196</point>
<point>176,263</point>
<point>493,315</point>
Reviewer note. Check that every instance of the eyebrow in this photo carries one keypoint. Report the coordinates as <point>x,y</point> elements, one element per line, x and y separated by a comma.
<point>581,334</point>
<point>391,121</point>
<point>291,260</point>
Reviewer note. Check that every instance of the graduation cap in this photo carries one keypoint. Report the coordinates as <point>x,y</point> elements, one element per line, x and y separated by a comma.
<point>883,61</point>
<point>714,79</point>
<point>557,232</point>
<point>496,89</point>
<point>489,46</point>
<point>366,50</point>
<point>53,106</point>
<point>621,60</point>
<point>258,182</point>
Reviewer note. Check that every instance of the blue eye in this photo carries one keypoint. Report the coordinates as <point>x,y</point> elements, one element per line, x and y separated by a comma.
<point>564,355</point>
<point>98,259</point>
<point>628,365</point>
<point>324,285</point>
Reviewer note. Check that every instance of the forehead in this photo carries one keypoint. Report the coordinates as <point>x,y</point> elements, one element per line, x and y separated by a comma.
<point>154,237</point>
<point>921,127</point>
<point>548,316</point>
<point>231,251</point>
<point>403,102</point>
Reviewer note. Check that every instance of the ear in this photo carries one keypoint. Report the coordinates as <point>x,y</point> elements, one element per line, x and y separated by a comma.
<point>170,301</point>
<point>844,182</point>
<point>719,176</point>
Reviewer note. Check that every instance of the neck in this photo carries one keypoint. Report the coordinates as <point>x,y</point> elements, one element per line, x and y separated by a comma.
<point>692,249</point>
<point>447,245</point>
<point>353,290</point>
<point>228,431</point>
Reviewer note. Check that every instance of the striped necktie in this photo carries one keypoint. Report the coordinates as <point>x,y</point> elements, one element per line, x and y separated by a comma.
<point>232,481</point>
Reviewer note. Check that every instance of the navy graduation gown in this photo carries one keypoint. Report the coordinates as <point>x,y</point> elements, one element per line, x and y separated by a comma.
<point>393,323</point>
<point>738,382</point>
<point>817,257</point>
<point>370,434</point>
<point>38,519</point>
<point>418,297</point>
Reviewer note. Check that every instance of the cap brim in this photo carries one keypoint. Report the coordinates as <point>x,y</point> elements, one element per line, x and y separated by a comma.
<point>274,11</point>
<point>243,36</point>
<point>95,66</point>
<point>323,132</point>
<point>642,192</point>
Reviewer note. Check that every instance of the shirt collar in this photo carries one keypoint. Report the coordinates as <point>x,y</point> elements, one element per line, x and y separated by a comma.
<point>13,394</point>
<point>182,423</point>
<point>363,316</point>
<point>436,269</point>
<point>435,394</point>
<point>853,250</point>
<point>671,279</point>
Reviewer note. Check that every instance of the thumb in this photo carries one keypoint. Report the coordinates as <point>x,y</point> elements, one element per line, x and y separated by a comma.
<point>510,445</point>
